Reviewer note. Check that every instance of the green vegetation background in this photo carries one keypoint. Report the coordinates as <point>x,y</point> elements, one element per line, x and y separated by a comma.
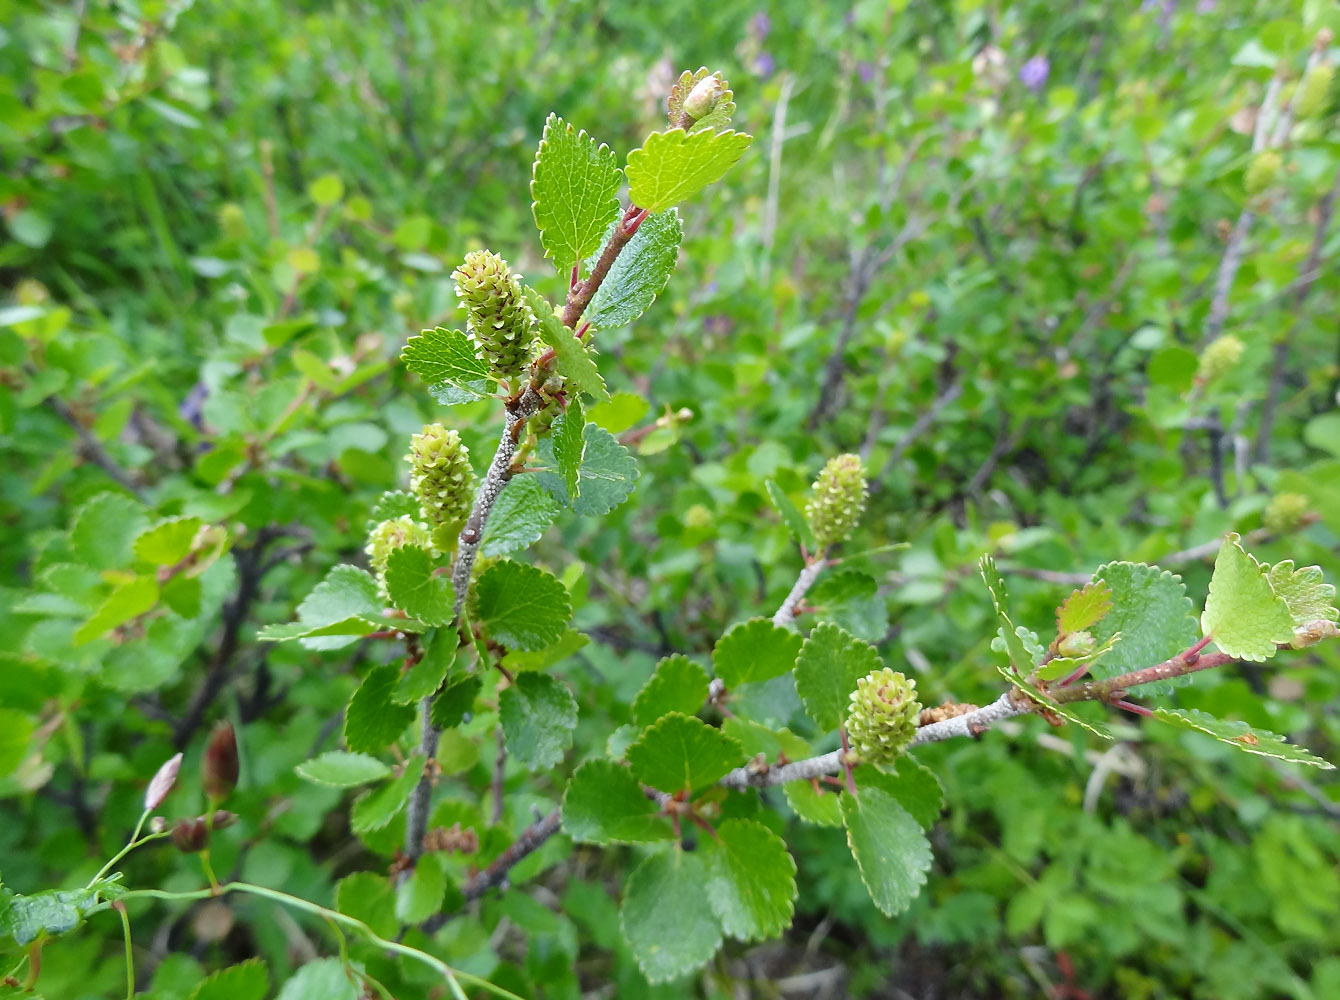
<point>223,220</point>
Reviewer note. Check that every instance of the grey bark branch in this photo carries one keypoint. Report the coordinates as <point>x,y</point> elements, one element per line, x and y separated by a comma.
<point>786,614</point>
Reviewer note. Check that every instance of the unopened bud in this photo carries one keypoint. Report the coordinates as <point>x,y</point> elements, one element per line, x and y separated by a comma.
<point>158,824</point>
<point>162,783</point>
<point>390,535</point>
<point>1312,633</point>
<point>190,835</point>
<point>1262,171</point>
<point>883,716</point>
<point>837,501</point>
<point>1286,513</point>
<point>219,767</point>
<point>1314,89</point>
<point>703,97</point>
<point>1076,644</point>
<point>222,819</point>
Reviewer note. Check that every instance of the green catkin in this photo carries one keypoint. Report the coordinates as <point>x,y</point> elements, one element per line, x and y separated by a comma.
<point>390,535</point>
<point>838,500</point>
<point>441,477</point>
<point>499,318</point>
<point>883,716</point>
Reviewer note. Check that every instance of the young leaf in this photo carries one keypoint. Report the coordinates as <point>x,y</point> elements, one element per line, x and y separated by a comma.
<point>681,753</point>
<point>522,606</point>
<point>827,669</point>
<point>1084,608</point>
<point>322,979</point>
<point>104,530</point>
<point>130,600</point>
<point>52,912</point>
<point>677,685</point>
<point>851,599</point>
<point>1151,620</point>
<point>751,880</point>
<point>542,659</point>
<point>341,769</point>
<point>447,363</point>
<point>639,273</point>
<point>521,514</point>
<point>421,894</point>
<point>248,980</point>
<point>426,676</point>
<point>891,852</point>
<point>342,607</point>
<point>368,897</point>
<point>1063,666</point>
<point>1242,612</point>
<point>1308,596</point>
<point>569,446</point>
<point>1021,658</point>
<point>914,787</point>
<point>373,721</point>
<point>575,187</point>
<point>756,650</point>
<point>455,701</point>
<point>814,803</point>
<point>1241,736</point>
<point>604,804</point>
<point>377,808</point>
<point>666,918</point>
<point>168,542</point>
<point>571,356</point>
<point>608,474</point>
<point>675,165</point>
<point>773,744</point>
<point>796,522</point>
<point>415,589</point>
<point>538,715</point>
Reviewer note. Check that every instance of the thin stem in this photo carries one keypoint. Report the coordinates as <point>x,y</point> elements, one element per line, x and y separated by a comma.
<point>209,870</point>
<point>131,844</point>
<point>130,955</point>
<point>579,297</point>
<point>786,614</point>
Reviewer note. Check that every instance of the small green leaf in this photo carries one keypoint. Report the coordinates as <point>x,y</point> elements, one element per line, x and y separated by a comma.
<point>608,474</point>
<point>104,530</point>
<point>570,445</point>
<point>426,676</point>
<point>1242,612</point>
<point>327,189</point>
<point>52,912</point>
<point>456,701</point>
<point>831,661</point>
<point>818,805</point>
<point>341,769</point>
<point>556,652</point>
<point>756,650</point>
<point>1241,736</point>
<point>622,411</point>
<point>521,606</point>
<point>796,522</point>
<point>604,804</point>
<point>373,721</point>
<point>168,542</point>
<point>538,715</point>
<point>368,897</point>
<point>914,787</point>
<point>1021,658</point>
<point>323,979</point>
<point>1084,608</point>
<point>420,896</point>
<point>751,880</point>
<point>575,187</point>
<point>1307,594</point>
<point>1063,666</point>
<point>572,357</point>
<point>521,514</point>
<point>393,504</point>
<point>666,918</point>
<point>416,589</point>
<point>447,363</point>
<point>672,166</point>
<point>130,600</point>
<point>677,685</point>
<point>342,607</point>
<point>683,753</point>
<point>377,808</point>
<point>851,599</point>
<point>890,849</point>
<point>639,273</point>
<point>248,980</point>
<point>773,744</point>
<point>1151,620</point>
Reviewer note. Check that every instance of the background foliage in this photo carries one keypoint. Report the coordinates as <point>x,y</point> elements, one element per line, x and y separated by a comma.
<point>977,243</point>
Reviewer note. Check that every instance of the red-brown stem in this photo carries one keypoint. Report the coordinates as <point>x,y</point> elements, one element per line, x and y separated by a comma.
<point>1078,672</point>
<point>581,294</point>
<point>846,764</point>
<point>1133,708</point>
<point>702,824</point>
<point>1116,687</point>
<point>386,633</point>
<point>1199,646</point>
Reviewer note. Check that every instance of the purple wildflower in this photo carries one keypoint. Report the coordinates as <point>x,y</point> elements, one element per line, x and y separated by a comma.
<point>759,25</point>
<point>764,64</point>
<point>1033,74</point>
<point>866,71</point>
<point>192,407</point>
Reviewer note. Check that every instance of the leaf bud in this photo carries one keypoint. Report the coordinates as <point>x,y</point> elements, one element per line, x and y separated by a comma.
<point>441,477</point>
<point>499,319</point>
<point>838,500</point>
<point>1286,513</point>
<point>190,835</point>
<point>1076,644</point>
<point>1262,171</point>
<point>219,766</point>
<point>1220,357</point>
<point>1311,633</point>
<point>703,97</point>
<point>162,783</point>
<point>883,716</point>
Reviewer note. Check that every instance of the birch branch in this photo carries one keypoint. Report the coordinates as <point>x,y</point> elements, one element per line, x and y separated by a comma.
<point>786,614</point>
